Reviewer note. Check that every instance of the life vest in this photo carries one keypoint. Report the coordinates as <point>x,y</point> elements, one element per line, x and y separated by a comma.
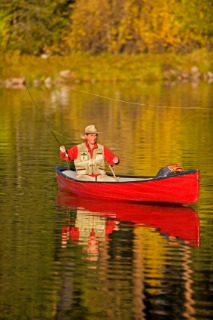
<point>84,164</point>
<point>169,170</point>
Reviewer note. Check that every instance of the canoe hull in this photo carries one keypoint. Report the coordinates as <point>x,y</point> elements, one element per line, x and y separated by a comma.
<point>178,189</point>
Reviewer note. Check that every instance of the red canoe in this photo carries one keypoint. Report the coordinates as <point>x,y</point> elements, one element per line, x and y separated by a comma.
<point>174,222</point>
<point>181,188</point>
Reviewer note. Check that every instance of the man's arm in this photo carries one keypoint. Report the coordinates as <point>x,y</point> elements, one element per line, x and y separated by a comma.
<point>70,154</point>
<point>111,158</point>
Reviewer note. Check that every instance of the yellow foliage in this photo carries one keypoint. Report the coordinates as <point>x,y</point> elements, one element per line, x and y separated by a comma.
<point>134,25</point>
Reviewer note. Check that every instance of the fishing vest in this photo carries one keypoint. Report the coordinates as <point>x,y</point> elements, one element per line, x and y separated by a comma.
<point>84,164</point>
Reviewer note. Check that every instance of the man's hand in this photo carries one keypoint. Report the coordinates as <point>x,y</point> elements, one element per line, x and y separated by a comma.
<point>63,149</point>
<point>115,160</point>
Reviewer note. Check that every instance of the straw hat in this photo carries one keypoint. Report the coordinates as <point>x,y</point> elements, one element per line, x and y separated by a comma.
<point>89,129</point>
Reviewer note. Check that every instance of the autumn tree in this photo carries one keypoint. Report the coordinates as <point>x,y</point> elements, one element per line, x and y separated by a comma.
<point>115,26</point>
<point>140,25</point>
<point>195,20</point>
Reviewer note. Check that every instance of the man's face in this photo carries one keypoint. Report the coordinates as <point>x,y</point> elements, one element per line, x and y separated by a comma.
<point>91,138</point>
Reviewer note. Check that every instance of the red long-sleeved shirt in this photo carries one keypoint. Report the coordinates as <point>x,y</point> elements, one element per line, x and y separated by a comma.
<point>73,154</point>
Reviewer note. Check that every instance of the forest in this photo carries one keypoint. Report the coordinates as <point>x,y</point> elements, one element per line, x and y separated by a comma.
<point>63,27</point>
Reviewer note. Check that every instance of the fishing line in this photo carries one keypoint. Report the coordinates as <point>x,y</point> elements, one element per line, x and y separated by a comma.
<point>131,102</point>
<point>109,98</point>
<point>59,134</point>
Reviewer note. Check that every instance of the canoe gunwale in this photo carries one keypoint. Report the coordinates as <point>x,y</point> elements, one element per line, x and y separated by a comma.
<point>140,179</point>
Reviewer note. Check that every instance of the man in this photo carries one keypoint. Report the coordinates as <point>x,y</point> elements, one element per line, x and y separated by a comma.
<point>89,157</point>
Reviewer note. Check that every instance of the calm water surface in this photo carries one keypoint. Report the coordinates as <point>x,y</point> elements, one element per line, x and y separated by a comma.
<point>67,258</point>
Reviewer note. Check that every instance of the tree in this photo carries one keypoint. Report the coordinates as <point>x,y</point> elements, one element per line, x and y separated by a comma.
<point>34,26</point>
<point>133,26</point>
<point>157,28</point>
<point>140,25</point>
<point>196,30</point>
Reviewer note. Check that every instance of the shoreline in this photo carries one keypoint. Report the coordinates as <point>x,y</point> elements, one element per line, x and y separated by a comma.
<point>17,70</point>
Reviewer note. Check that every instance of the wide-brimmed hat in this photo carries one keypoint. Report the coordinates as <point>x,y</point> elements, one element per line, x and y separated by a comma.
<point>89,129</point>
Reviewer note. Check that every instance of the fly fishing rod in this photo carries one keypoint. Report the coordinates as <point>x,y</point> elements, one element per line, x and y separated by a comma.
<point>39,112</point>
<point>53,134</point>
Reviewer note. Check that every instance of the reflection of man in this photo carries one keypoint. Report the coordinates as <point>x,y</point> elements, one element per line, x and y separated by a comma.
<point>92,246</point>
<point>89,157</point>
<point>89,231</point>
<point>69,233</point>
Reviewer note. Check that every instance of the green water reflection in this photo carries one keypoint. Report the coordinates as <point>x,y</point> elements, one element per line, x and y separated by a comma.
<point>139,273</point>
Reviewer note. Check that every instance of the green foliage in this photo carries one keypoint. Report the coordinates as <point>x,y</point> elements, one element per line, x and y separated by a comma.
<point>4,28</point>
<point>196,24</point>
<point>104,67</point>
<point>34,26</point>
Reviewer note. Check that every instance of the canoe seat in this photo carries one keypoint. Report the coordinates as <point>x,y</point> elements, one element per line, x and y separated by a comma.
<point>134,179</point>
<point>128,179</point>
<point>70,173</point>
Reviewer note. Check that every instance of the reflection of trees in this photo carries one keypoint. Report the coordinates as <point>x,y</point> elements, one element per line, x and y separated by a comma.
<point>132,272</point>
<point>146,138</point>
<point>187,276</point>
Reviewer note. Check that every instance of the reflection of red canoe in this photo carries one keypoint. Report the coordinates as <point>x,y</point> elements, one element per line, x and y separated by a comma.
<point>182,188</point>
<point>176,221</point>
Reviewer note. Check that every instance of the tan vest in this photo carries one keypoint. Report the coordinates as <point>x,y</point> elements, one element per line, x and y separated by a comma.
<point>84,164</point>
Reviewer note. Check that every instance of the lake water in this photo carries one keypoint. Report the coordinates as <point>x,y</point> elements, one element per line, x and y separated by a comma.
<point>61,258</point>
